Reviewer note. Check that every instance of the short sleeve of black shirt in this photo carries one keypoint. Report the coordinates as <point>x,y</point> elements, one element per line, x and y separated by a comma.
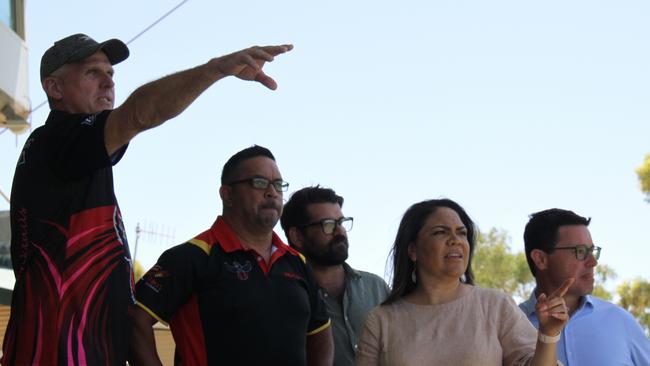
<point>76,144</point>
<point>172,281</point>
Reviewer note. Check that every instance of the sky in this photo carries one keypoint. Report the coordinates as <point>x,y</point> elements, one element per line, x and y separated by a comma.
<point>507,107</point>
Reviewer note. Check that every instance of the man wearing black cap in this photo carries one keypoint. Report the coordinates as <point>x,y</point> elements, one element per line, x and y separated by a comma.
<point>69,250</point>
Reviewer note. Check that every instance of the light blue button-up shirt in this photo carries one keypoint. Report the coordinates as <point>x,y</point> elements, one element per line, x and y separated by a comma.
<point>598,333</point>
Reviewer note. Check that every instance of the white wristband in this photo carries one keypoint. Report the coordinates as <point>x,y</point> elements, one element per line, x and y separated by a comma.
<point>548,339</point>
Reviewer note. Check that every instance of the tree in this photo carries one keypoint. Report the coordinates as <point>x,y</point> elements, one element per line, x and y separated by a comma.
<point>495,266</point>
<point>603,273</point>
<point>643,172</point>
<point>635,298</point>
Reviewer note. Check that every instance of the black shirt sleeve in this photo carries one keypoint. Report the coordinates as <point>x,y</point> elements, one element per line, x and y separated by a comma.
<point>77,145</point>
<point>172,281</point>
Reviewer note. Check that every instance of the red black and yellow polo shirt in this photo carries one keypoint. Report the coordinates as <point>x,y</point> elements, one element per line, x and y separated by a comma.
<point>225,305</point>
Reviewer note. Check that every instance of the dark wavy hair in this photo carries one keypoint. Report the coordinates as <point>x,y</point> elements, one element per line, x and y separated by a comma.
<point>295,213</point>
<point>409,227</point>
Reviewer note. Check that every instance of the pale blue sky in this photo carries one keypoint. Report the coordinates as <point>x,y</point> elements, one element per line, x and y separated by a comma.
<point>508,107</point>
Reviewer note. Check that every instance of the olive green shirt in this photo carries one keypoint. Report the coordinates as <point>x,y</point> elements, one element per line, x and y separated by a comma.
<point>363,291</point>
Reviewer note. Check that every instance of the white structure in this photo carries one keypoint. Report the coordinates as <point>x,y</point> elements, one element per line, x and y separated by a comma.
<point>14,95</point>
<point>14,111</point>
<point>7,278</point>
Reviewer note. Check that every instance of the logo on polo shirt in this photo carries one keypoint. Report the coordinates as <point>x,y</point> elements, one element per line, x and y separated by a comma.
<point>153,276</point>
<point>23,154</point>
<point>241,270</point>
<point>293,276</point>
<point>89,121</point>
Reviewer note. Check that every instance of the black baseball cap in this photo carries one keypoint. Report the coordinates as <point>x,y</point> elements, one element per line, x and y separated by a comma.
<point>77,47</point>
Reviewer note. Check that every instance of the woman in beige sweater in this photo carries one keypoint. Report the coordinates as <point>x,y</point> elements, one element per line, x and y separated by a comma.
<point>434,314</point>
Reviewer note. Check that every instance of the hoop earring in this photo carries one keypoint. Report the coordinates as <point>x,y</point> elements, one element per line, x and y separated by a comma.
<point>414,276</point>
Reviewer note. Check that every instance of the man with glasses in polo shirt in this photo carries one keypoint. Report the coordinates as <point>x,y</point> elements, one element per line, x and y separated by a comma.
<point>558,246</point>
<point>236,294</point>
<point>314,224</point>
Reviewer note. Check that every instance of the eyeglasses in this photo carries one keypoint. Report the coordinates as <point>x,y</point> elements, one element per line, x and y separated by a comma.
<point>329,225</point>
<point>583,251</point>
<point>262,183</point>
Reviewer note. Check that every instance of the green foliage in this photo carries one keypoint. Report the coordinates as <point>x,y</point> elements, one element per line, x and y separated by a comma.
<point>495,266</point>
<point>643,172</point>
<point>602,274</point>
<point>635,298</point>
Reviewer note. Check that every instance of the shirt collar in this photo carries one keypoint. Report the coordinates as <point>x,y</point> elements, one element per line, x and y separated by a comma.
<point>586,301</point>
<point>57,116</point>
<point>528,306</point>
<point>221,233</point>
<point>351,272</point>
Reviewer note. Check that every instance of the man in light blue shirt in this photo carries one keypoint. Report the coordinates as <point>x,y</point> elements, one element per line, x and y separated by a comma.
<point>559,246</point>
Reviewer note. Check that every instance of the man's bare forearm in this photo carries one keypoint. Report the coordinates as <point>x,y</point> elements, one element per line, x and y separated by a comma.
<point>158,101</point>
<point>320,348</point>
<point>142,348</point>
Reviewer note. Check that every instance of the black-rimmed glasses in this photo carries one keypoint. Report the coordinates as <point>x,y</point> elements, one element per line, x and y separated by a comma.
<point>329,225</point>
<point>262,183</point>
<point>583,251</point>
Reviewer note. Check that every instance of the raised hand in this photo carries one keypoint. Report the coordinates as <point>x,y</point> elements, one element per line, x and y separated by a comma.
<point>247,64</point>
<point>552,311</point>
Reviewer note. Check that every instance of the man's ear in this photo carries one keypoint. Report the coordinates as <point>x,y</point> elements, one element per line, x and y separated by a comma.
<point>540,259</point>
<point>296,237</point>
<point>224,193</point>
<point>52,88</point>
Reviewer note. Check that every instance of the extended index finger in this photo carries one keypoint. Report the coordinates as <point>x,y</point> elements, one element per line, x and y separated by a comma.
<point>276,50</point>
<point>563,288</point>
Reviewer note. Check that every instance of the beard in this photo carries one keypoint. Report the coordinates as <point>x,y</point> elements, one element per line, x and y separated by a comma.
<point>334,253</point>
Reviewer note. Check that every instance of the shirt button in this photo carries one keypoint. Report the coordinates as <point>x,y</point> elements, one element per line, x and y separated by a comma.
<point>259,259</point>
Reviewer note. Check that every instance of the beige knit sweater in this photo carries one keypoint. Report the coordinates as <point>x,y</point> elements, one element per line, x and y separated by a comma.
<point>483,327</point>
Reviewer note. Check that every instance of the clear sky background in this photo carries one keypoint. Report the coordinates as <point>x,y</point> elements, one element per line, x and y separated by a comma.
<point>508,107</point>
